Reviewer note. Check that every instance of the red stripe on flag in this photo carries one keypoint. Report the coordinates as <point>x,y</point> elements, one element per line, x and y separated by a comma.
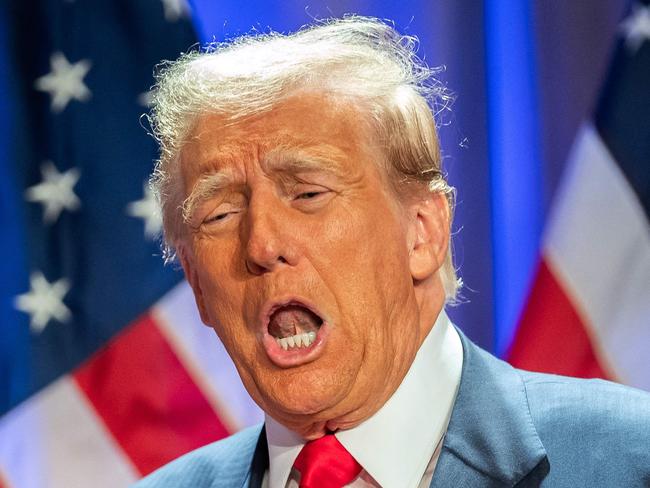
<point>146,398</point>
<point>551,336</point>
<point>3,481</point>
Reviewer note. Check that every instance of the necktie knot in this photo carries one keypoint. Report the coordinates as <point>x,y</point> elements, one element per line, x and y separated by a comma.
<point>325,463</point>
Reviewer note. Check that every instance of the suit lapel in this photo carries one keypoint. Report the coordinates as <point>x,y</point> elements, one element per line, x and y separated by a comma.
<point>491,439</point>
<point>260,462</point>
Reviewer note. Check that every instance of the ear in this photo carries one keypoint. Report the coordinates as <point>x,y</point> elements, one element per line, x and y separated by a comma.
<point>187,261</point>
<point>428,235</point>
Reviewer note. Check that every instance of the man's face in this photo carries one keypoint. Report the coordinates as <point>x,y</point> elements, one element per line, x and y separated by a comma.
<point>294,234</point>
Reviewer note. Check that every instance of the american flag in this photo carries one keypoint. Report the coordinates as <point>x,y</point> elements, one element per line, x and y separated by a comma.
<point>105,372</point>
<point>588,313</point>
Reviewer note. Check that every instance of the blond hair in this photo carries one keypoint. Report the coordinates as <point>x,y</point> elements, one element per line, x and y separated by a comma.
<point>360,58</point>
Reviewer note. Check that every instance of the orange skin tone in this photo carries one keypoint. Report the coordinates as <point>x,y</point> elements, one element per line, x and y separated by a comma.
<point>335,234</point>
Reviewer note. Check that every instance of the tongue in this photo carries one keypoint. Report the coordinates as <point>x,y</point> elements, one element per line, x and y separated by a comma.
<point>291,320</point>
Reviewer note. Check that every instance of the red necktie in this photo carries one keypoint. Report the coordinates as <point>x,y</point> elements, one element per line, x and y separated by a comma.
<point>325,463</point>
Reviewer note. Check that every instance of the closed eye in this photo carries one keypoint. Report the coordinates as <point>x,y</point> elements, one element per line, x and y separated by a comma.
<point>218,217</point>
<point>309,195</point>
<point>312,198</point>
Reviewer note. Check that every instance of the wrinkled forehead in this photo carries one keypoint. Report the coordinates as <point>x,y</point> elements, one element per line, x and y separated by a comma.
<point>315,128</point>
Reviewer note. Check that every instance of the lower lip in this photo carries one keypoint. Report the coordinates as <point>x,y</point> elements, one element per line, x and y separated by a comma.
<point>295,356</point>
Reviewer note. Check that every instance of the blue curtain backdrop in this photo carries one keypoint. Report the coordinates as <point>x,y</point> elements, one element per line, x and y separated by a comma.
<point>524,73</point>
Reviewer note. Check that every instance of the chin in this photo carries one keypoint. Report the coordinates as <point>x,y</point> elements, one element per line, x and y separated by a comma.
<point>312,428</point>
<point>313,404</point>
<point>303,409</point>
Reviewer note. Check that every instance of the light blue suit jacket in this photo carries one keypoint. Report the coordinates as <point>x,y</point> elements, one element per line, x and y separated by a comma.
<point>508,428</point>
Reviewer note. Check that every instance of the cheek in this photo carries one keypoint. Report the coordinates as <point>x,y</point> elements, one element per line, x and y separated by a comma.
<point>362,257</point>
<point>367,248</point>
<point>354,232</point>
<point>223,294</point>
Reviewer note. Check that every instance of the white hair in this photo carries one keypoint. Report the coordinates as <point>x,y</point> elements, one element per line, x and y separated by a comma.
<point>362,59</point>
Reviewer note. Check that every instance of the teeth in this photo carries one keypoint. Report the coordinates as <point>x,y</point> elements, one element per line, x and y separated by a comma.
<point>299,340</point>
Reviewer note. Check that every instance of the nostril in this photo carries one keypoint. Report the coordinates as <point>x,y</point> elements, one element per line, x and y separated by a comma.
<point>258,269</point>
<point>254,268</point>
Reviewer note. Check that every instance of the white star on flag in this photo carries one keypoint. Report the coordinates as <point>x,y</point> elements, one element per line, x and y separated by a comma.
<point>44,301</point>
<point>175,9</point>
<point>636,27</point>
<point>147,210</point>
<point>55,191</point>
<point>64,81</point>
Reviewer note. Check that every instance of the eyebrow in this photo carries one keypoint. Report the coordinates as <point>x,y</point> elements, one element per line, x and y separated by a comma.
<point>295,159</point>
<point>279,159</point>
<point>207,185</point>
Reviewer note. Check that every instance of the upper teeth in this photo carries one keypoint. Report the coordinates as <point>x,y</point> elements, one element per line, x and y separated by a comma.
<point>299,340</point>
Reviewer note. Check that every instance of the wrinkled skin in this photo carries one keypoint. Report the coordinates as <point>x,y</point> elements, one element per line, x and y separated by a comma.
<point>335,235</point>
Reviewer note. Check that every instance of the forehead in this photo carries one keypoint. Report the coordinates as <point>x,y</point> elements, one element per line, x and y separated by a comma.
<point>326,128</point>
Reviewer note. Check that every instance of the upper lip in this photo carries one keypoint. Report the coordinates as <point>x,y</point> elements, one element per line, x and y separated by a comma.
<point>272,305</point>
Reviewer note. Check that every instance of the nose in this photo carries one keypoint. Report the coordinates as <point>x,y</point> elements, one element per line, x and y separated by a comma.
<point>268,245</point>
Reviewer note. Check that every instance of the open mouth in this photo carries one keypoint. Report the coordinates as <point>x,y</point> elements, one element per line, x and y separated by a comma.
<point>294,326</point>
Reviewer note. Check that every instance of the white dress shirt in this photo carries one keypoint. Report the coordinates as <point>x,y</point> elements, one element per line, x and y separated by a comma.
<point>399,445</point>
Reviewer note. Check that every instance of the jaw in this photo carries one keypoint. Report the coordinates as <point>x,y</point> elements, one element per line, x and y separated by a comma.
<point>310,420</point>
<point>340,379</point>
<point>322,397</point>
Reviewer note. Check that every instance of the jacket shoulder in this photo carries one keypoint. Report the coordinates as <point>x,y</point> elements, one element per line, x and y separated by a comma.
<point>224,463</point>
<point>591,425</point>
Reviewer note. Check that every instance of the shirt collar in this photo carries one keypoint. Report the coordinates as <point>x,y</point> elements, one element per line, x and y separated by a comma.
<point>393,447</point>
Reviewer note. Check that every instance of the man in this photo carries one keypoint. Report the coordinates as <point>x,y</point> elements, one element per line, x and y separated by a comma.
<point>301,187</point>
